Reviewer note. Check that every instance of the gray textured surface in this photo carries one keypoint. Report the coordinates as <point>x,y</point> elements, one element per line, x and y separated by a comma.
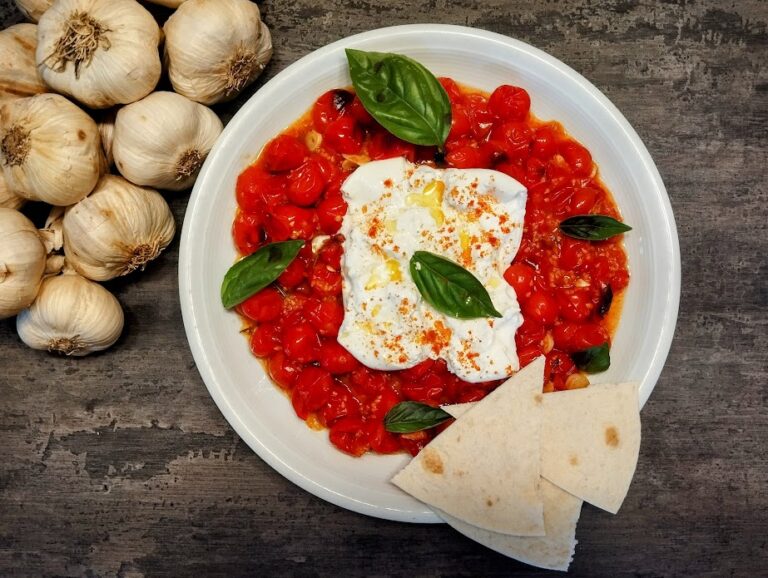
<point>121,465</point>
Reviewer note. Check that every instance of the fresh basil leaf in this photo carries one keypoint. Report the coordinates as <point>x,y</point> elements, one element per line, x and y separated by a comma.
<point>411,416</point>
<point>593,227</point>
<point>252,274</point>
<point>403,96</point>
<point>450,288</point>
<point>594,359</point>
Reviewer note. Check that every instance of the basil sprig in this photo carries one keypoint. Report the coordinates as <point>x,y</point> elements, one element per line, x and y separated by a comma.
<point>593,227</point>
<point>252,274</point>
<point>450,288</point>
<point>593,360</point>
<point>403,96</point>
<point>411,416</point>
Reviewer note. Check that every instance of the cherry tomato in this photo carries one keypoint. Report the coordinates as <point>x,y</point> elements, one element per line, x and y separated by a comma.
<point>300,342</point>
<point>420,370</point>
<point>358,112</point>
<point>482,118</point>
<point>381,441</point>
<point>282,370</point>
<point>294,274</point>
<point>283,153</point>
<point>414,442</point>
<point>513,139</point>
<point>384,145</point>
<point>329,107</point>
<point>520,276</point>
<point>469,157</point>
<point>311,390</point>
<point>544,142</point>
<point>509,103</point>
<point>335,359</point>
<point>344,136</point>
<point>329,170</point>
<point>528,354</point>
<point>576,304</point>
<point>530,333</point>
<point>451,88</point>
<point>248,232</point>
<point>324,280</point>
<point>461,124</point>
<point>265,340</point>
<point>290,222</point>
<point>325,316</point>
<point>583,200</point>
<point>349,435</point>
<point>571,337</point>
<point>265,305</point>
<point>330,212</point>
<point>429,389</point>
<point>330,254</point>
<point>574,253</point>
<point>385,400</point>
<point>541,307</point>
<point>577,157</point>
<point>306,184</point>
<point>558,363</point>
<point>341,403</point>
<point>257,189</point>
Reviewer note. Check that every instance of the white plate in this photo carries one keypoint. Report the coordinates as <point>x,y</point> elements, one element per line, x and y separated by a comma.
<point>255,408</point>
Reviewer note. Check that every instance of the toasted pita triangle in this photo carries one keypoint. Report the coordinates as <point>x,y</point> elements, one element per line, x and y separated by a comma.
<point>590,440</point>
<point>485,468</point>
<point>553,551</point>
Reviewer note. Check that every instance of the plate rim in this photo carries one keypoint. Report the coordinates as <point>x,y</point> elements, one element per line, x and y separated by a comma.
<point>189,313</point>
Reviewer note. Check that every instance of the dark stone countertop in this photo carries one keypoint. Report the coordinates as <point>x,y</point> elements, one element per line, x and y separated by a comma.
<point>121,465</point>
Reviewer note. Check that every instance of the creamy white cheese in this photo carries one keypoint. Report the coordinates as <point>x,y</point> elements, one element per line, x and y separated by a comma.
<point>473,217</point>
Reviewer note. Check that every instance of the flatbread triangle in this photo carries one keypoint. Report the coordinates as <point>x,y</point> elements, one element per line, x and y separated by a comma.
<point>485,468</point>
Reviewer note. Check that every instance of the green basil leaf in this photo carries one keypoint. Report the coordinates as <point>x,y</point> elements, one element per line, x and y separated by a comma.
<point>252,274</point>
<point>450,288</point>
<point>411,416</point>
<point>593,227</point>
<point>594,359</point>
<point>403,96</point>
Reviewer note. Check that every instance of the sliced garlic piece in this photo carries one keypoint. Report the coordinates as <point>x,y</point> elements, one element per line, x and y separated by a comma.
<point>162,140</point>
<point>117,229</point>
<point>71,315</point>
<point>100,52</point>
<point>215,48</point>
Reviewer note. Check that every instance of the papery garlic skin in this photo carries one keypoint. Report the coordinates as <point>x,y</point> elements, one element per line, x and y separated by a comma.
<point>71,315</point>
<point>215,48</point>
<point>117,229</point>
<point>50,150</point>
<point>162,140</point>
<point>100,52</point>
<point>18,73</point>
<point>22,262</point>
<point>34,9</point>
<point>9,199</point>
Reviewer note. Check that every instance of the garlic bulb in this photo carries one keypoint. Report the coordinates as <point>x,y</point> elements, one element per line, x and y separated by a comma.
<point>50,150</point>
<point>162,140</point>
<point>9,199</point>
<point>101,52</point>
<point>215,48</point>
<point>18,73</point>
<point>71,315</point>
<point>106,124</point>
<point>116,229</point>
<point>34,9</point>
<point>22,262</point>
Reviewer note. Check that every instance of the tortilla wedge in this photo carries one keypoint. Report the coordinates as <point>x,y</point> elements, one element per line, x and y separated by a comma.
<point>590,441</point>
<point>553,551</point>
<point>491,486</point>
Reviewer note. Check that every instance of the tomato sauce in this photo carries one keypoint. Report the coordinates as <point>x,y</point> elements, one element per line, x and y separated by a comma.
<point>292,191</point>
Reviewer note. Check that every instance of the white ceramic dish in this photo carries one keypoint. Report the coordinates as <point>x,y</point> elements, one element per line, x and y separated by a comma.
<point>254,407</point>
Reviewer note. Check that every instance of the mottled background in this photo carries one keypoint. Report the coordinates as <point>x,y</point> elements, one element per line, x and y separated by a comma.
<point>121,465</point>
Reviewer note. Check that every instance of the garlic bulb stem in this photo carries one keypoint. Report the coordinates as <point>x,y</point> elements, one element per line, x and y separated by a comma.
<point>72,316</point>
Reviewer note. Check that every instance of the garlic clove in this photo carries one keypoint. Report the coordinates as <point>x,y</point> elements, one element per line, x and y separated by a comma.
<point>117,229</point>
<point>100,52</point>
<point>34,9</point>
<point>106,124</point>
<point>162,140</point>
<point>50,150</point>
<point>72,316</point>
<point>18,73</point>
<point>22,262</point>
<point>215,48</point>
